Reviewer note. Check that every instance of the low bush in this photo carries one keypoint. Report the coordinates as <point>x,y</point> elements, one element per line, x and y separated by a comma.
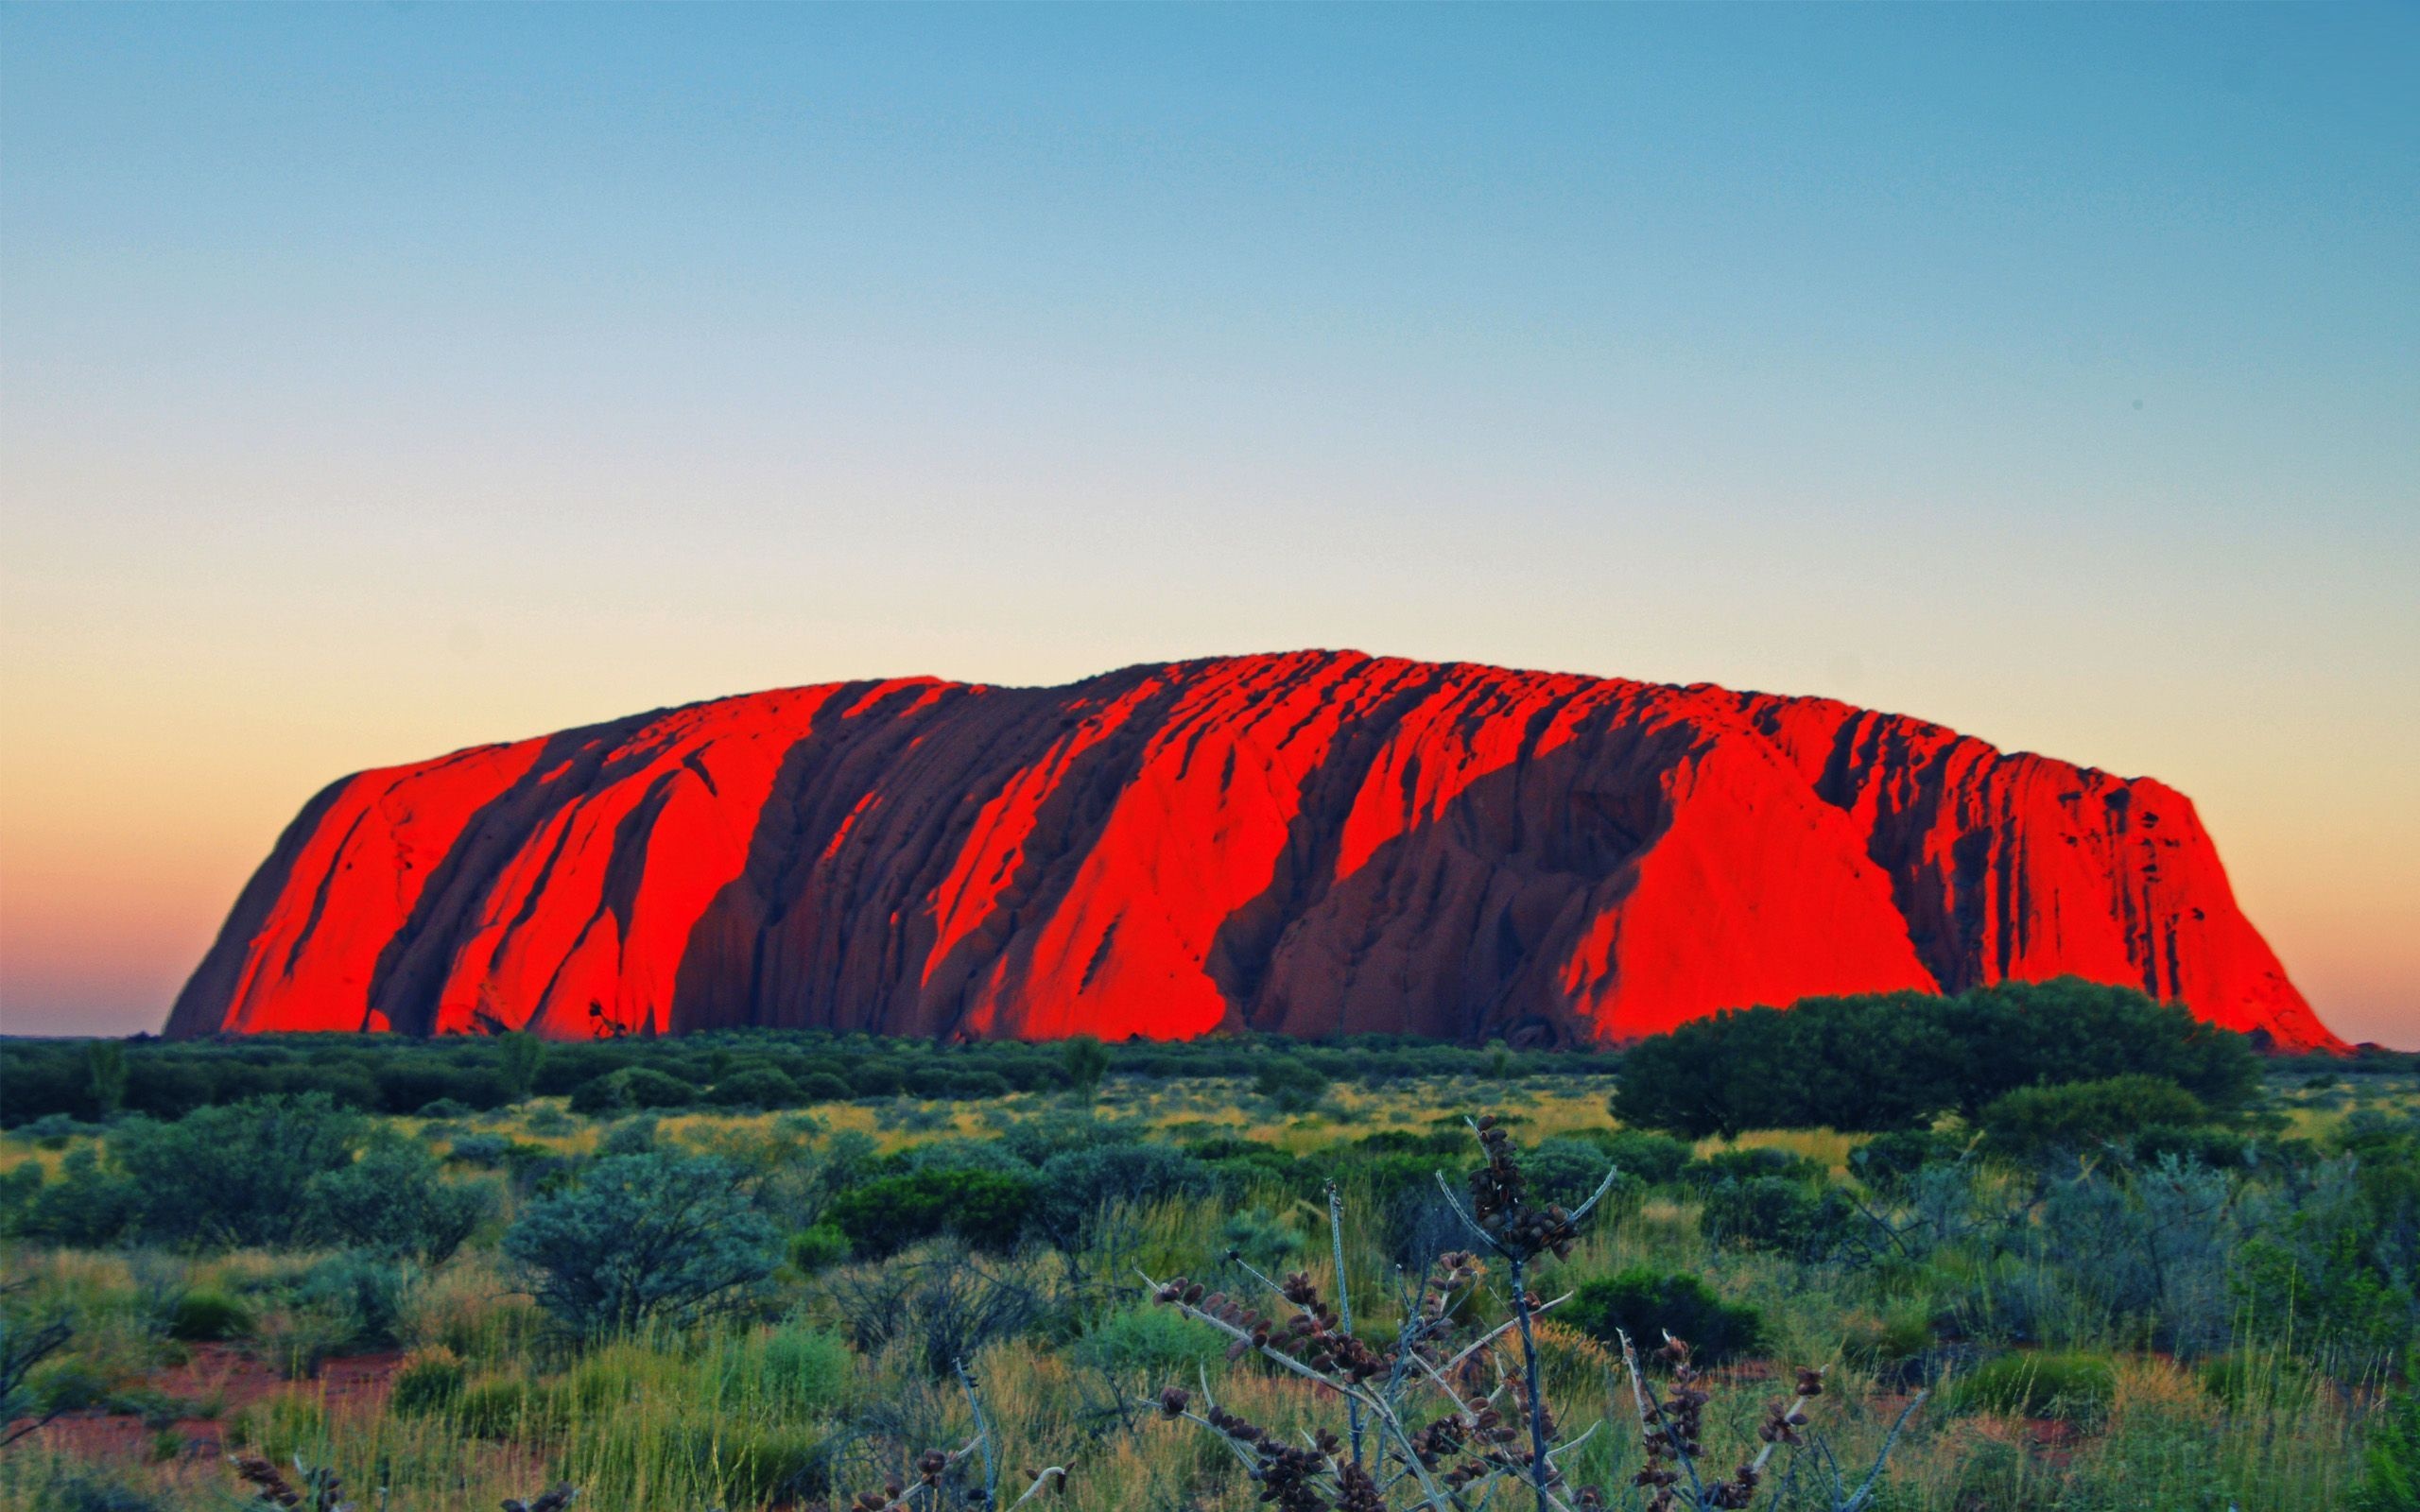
<point>499,1407</point>
<point>66,1385</point>
<point>633,1087</point>
<point>812,1248</point>
<point>2036,1123</point>
<point>2251,1379</point>
<point>429,1381</point>
<point>69,1485</point>
<point>394,1201</point>
<point>1074,1188</point>
<point>1886,1163</point>
<point>280,1426</point>
<point>206,1315</point>
<point>85,1205</point>
<point>1777,1216</point>
<point>1654,1159</point>
<point>484,1151</point>
<point>1878,1341</point>
<point>645,1237</point>
<point>365,1293</point>
<point>1646,1304</point>
<point>1567,1170</point>
<point>1755,1163</point>
<point>824,1086</point>
<point>2038,1384</point>
<point>1150,1341</point>
<point>237,1175</point>
<point>794,1369</point>
<point>753,1464</point>
<point>1293,1085</point>
<point>755,1087</point>
<point>985,1208</point>
<point>2390,1460</point>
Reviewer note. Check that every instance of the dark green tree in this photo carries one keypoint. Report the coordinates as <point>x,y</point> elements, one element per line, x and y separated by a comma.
<point>1087,1061</point>
<point>518,1056</point>
<point>105,1063</point>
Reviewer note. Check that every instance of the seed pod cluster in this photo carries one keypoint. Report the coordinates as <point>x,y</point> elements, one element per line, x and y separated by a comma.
<point>1500,1200</point>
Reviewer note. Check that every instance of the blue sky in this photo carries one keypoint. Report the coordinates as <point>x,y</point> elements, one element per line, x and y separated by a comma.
<point>379,379</point>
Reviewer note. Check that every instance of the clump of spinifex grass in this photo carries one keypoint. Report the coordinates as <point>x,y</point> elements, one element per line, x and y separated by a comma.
<point>1441,1419</point>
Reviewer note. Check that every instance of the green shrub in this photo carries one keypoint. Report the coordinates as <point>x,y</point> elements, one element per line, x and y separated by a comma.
<point>394,1201</point>
<point>2390,1460</point>
<point>645,1237</point>
<point>797,1371</point>
<point>297,1340</point>
<point>2039,1122</point>
<point>69,1486</point>
<point>500,1407</point>
<point>203,1314</point>
<point>812,1248</point>
<point>985,1208</point>
<point>1086,1062</point>
<point>1152,1341</point>
<point>1073,1187</point>
<point>755,1087</point>
<point>1293,1085</point>
<point>1886,1163</point>
<point>1654,1159</point>
<point>2038,1384</point>
<point>53,1130</point>
<point>485,1151</point>
<point>1647,1303</point>
<point>85,1206</point>
<point>2251,1378</point>
<point>631,1136</point>
<point>2219,1149</point>
<point>1876,1342</point>
<point>67,1386</point>
<point>279,1427</point>
<point>1260,1236</point>
<point>364,1294</point>
<point>824,1086</point>
<point>1567,1170</point>
<point>633,1087</point>
<point>1777,1216</point>
<point>753,1464</point>
<point>237,1175</point>
<point>429,1381</point>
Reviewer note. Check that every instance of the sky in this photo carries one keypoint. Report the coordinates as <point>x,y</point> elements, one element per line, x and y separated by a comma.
<point>376,380</point>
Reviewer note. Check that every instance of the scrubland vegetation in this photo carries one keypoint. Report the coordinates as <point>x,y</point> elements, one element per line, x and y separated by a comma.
<point>2099,1259</point>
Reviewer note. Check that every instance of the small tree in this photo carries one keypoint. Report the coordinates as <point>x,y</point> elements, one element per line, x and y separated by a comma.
<point>517,1059</point>
<point>1086,1060</point>
<point>105,1063</point>
<point>645,1238</point>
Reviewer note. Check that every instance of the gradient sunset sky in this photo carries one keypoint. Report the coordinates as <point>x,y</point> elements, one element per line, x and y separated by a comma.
<point>377,380</point>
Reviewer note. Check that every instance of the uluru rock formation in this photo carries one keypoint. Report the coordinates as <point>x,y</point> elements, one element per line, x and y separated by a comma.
<point>1311,844</point>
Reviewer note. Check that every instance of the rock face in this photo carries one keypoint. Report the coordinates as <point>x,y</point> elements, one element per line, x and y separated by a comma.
<point>1312,844</point>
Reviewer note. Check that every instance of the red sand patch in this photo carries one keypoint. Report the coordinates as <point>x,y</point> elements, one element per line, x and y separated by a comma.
<point>228,1379</point>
